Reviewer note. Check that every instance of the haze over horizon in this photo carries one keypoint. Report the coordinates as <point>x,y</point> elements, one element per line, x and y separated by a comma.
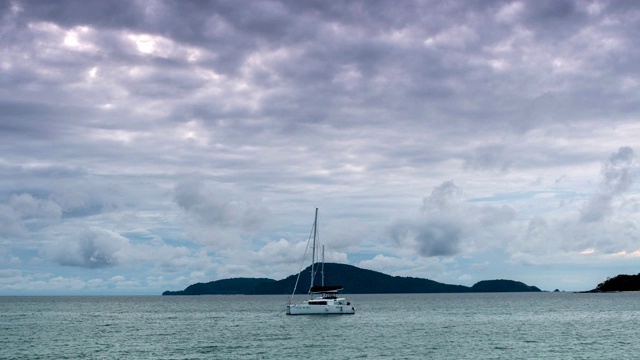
<point>149,145</point>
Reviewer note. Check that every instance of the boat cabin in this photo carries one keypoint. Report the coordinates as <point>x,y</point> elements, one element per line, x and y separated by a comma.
<point>316,302</point>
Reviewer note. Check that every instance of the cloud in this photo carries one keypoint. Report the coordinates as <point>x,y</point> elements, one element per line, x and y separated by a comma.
<point>7,259</point>
<point>489,157</point>
<point>92,248</point>
<point>10,222</point>
<point>271,108</point>
<point>281,252</point>
<point>286,252</point>
<point>21,208</point>
<point>449,226</point>
<point>9,275</point>
<point>217,210</point>
<point>416,266</point>
<point>617,172</point>
<point>98,248</point>
<point>14,281</point>
<point>617,179</point>
<point>25,205</point>
<point>604,224</point>
<point>568,240</point>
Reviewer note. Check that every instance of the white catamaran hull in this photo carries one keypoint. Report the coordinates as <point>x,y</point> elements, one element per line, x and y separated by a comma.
<point>304,309</point>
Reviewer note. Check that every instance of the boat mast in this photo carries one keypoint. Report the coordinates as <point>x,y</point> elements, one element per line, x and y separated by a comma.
<point>322,265</point>
<point>313,252</point>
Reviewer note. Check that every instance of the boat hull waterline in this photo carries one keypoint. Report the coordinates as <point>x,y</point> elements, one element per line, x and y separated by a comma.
<point>338,307</point>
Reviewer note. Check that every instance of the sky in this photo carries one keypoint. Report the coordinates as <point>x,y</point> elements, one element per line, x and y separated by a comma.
<point>149,145</point>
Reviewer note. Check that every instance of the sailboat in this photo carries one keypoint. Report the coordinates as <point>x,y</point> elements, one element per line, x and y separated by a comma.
<point>326,301</point>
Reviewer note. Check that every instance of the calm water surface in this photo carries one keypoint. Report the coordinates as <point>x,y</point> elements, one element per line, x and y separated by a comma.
<point>433,326</point>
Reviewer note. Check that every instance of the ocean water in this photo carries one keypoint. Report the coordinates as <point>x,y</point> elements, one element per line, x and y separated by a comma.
<point>416,326</point>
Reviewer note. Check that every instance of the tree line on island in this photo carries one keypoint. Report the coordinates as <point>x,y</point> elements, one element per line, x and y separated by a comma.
<point>618,283</point>
<point>354,280</point>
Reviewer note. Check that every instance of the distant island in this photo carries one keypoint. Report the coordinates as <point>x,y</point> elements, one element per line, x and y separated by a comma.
<point>618,283</point>
<point>354,280</point>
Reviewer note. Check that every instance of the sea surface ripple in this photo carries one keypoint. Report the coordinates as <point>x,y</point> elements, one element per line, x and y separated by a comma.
<point>405,326</point>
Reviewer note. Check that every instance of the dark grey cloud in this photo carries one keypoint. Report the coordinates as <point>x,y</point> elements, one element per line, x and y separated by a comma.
<point>206,207</point>
<point>350,59</point>
<point>92,248</point>
<point>450,226</point>
<point>442,198</point>
<point>618,174</point>
<point>490,157</point>
<point>429,237</point>
<point>439,238</point>
<point>110,14</point>
<point>555,18</point>
<point>617,179</point>
<point>391,76</point>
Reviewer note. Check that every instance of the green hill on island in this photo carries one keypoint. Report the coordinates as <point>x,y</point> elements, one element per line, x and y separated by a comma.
<point>354,280</point>
<point>237,286</point>
<point>619,283</point>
